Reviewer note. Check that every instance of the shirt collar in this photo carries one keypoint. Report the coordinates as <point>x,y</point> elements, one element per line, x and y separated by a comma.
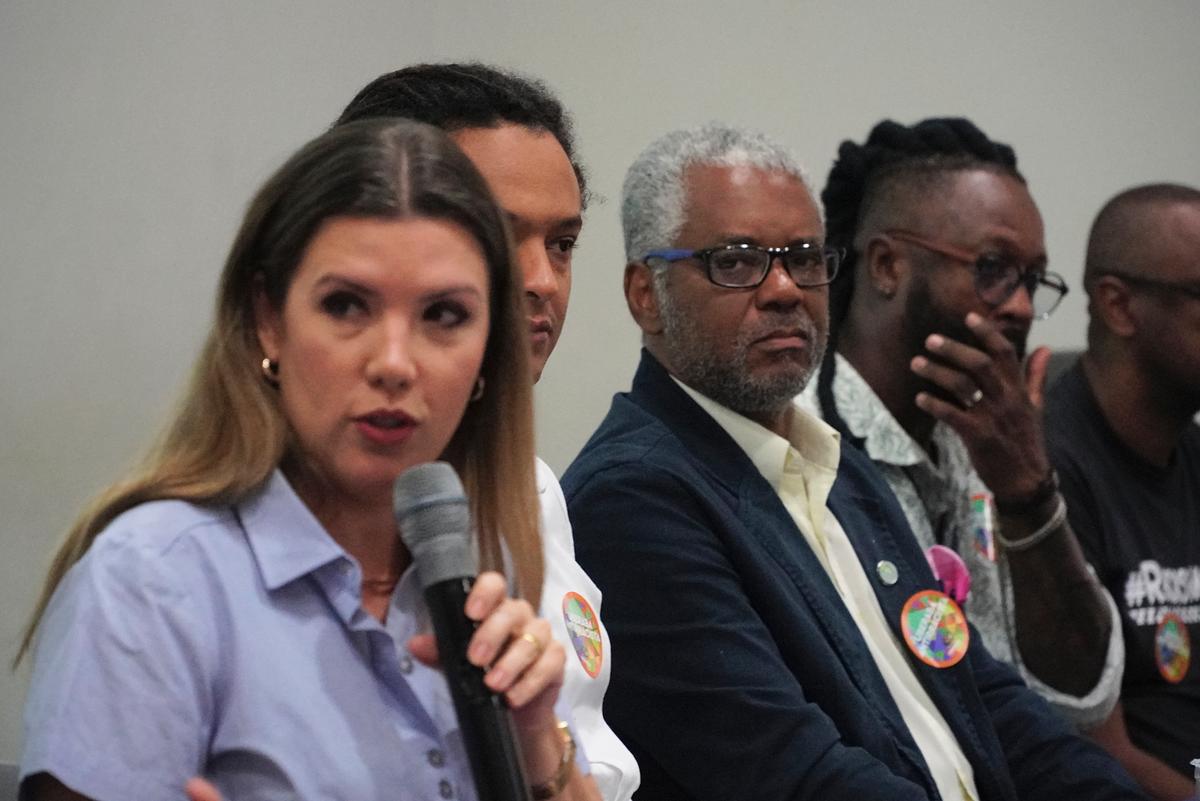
<point>287,540</point>
<point>810,439</point>
<point>884,439</point>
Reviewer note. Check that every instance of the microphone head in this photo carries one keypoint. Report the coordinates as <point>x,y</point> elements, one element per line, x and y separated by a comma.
<point>435,522</point>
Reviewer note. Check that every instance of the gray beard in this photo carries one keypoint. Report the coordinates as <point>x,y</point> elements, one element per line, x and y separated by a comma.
<point>727,381</point>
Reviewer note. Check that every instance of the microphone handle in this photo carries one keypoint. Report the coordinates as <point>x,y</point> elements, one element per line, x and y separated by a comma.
<point>484,719</point>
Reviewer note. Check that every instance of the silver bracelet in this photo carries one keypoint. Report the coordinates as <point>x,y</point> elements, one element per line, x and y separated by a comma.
<point>1049,527</point>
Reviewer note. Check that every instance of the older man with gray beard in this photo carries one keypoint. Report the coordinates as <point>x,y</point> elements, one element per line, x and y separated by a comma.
<point>780,634</point>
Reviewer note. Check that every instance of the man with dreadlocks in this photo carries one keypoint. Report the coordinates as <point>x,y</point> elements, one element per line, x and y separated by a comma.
<point>945,272</point>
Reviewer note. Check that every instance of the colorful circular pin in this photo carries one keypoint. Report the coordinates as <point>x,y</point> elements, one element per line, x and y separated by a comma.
<point>887,572</point>
<point>1172,648</point>
<point>584,628</point>
<point>935,628</point>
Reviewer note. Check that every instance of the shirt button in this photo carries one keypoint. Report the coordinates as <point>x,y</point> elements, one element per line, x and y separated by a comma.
<point>436,758</point>
<point>445,789</point>
<point>887,571</point>
<point>406,665</point>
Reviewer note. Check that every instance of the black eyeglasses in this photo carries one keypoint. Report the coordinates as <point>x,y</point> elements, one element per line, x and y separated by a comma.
<point>1188,288</point>
<point>742,266</point>
<point>998,275</point>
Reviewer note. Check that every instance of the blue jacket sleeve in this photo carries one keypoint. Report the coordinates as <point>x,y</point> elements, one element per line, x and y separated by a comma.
<point>1046,759</point>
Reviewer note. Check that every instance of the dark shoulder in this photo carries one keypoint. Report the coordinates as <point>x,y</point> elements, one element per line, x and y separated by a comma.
<point>1188,449</point>
<point>628,438</point>
<point>1072,417</point>
<point>1067,392</point>
<point>1191,436</point>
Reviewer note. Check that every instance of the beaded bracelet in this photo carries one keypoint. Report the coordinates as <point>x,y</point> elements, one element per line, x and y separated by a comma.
<point>1049,527</point>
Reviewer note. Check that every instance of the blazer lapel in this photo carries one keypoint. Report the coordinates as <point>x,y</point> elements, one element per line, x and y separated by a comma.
<point>859,507</point>
<point>765,518</point>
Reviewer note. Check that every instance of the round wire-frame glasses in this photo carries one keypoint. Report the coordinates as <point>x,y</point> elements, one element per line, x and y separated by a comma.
<point>997,275</point>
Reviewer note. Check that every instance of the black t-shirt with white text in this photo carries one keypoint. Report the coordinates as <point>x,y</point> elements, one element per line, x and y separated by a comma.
<point>1139,526</point>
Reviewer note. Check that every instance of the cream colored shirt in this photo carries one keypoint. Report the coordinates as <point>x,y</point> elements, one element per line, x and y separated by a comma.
<point>802,469</point>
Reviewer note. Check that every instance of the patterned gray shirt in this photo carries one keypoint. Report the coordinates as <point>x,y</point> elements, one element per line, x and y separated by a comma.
<point>947,503</point>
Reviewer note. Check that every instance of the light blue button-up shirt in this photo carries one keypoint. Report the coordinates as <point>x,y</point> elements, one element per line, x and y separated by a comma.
<point>232,643</point>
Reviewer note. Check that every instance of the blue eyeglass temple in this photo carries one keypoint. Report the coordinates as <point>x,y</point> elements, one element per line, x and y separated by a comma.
<point>678,254</point>
<point>670,254</point>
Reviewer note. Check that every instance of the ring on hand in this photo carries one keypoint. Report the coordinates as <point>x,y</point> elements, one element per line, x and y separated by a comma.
<point>975,398</point>
<point>533,640</point>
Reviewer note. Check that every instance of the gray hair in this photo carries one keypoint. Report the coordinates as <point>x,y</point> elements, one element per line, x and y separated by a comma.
<point>652,197</point>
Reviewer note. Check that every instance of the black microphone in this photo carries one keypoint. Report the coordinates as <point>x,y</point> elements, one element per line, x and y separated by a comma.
<point>431,511</point>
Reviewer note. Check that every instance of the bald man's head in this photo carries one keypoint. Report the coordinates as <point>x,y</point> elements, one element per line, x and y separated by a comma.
<point>1143,282</point>
<point>1131,231</point>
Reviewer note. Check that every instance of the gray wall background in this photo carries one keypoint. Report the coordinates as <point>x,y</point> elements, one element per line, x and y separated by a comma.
<point>132,134</point>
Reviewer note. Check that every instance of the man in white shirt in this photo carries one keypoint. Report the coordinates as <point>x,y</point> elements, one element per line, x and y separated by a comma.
<point>520,138</point>
<point>780,633</point>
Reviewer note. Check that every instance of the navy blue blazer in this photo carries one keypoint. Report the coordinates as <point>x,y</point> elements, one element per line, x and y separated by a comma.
<point>737,671</point>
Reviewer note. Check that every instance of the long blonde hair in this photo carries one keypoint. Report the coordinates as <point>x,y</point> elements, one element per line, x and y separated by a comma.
<point>229,434</point>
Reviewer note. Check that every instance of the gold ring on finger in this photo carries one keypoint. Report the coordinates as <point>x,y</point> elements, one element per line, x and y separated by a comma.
<point>533,640</point>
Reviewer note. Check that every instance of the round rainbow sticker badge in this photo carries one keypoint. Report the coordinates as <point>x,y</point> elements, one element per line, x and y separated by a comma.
<point>1172,648</point>
<point>584,628</point>
<point>935,628</point>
